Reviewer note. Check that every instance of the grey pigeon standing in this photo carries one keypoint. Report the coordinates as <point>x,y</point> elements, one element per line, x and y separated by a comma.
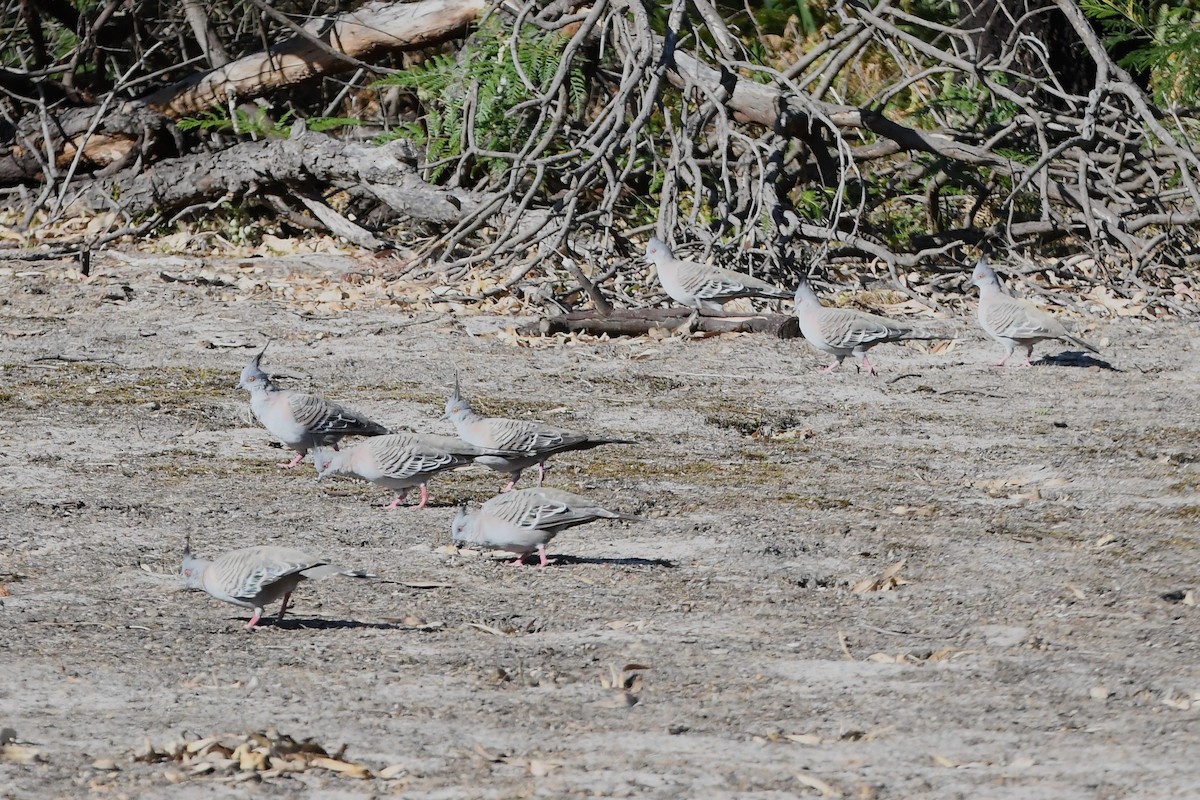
<point>255,577</point>
<point>1014,322</point>
<point>300,421</point>
<point>702,287</point>
<point>524,520</point>
<point>843,331</point>
<point>399,461</point>
<point>527,441</point>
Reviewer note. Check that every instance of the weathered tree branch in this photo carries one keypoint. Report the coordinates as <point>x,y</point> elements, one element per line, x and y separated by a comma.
<point>309,162</point>
<point>333,45</point>
<point>640,321</point>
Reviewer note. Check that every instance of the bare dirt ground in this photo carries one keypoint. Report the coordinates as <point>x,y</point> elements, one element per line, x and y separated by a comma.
<point>754,639</point>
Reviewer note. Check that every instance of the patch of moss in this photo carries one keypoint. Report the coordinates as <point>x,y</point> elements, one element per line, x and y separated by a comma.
<point>99,384</point>
<point>757,423</point>
<point>408,393</point>
<point>514,407</point>
<point>815,502</point>
<point>187,465</point>
<point>699,472</point>
<point>1186,486</point>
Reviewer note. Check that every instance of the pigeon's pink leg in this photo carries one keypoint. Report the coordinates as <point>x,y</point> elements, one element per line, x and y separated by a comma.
<point>542,470</point>
<point>1004,360</point>
<point>283,608</point>
<point>831,367</point>
<point>399,499</point>
<point>424,497</point>
<point>512,484</point>
<point>542,553</point>
<point>870,367</point>
<point>1028,356</point>
<point>253,623</point>
<point>295,462</point>
<point>520,562</point>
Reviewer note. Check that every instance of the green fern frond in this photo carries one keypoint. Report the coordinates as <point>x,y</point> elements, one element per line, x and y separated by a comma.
<point>329,123</point>
<point>484,70</point>
<point>577,88</point>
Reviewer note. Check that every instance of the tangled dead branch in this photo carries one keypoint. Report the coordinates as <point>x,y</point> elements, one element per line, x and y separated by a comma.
<point>886,138</point>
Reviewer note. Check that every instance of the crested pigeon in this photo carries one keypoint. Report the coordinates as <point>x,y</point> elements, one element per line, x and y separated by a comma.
<point>300,421</point>
<point>844,331</point>
<point>255,577</point>
<point>524,520</point>
<point>399,461</point>
<point>1014,322</point>
<point>703,287</point>
<point>526,442</point>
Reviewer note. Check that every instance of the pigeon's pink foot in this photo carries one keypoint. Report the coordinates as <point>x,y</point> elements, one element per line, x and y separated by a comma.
<point>870,367</point>
<point>511,484</point>
<point>253,623</point>
<point>295,462</point>
<point>831,367</point>
<point>284,607</point>
<point>520,561</point>
<point>542,470</point>
<point>542,553</point>
<point>399,499</point>
<point>424,498</point>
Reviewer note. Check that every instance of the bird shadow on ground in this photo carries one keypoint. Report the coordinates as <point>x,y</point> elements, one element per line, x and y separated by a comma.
<point>411,505</point>
<point>1076,358</point>
<point>314,624</point>
<point>616,562</point>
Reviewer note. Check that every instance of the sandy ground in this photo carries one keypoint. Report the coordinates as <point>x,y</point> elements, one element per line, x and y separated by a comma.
<point>948,581</point>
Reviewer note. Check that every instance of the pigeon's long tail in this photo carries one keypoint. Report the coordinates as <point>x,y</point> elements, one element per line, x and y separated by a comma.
<point>621,515</point>
<point>772,294</point>
<point>590,443</point>
<point>331,570</point>
<point>1083,344</point>
<point>923,336</point>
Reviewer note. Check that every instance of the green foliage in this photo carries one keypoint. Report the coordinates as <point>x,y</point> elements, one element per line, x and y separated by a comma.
<point>1162,38</point>
<point>258,125</point>
<point>962,100</point>
<point>814,203</point>
<point>322,124</point>
<point>940,12</point>
<point>773,15</point>
<point>482,79</point>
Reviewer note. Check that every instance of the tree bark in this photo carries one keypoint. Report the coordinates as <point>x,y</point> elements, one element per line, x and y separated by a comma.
<point>116,137</point>
<point>991,24</point>
<point>329,45</point>
<point>310,162</point>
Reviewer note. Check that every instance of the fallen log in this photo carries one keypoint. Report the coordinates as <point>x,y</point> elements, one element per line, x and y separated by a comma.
<point>640,321</point>
<point>114,137</point>
<point>111,137</point>
<point>310,162</point>
<point>325,46</point>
